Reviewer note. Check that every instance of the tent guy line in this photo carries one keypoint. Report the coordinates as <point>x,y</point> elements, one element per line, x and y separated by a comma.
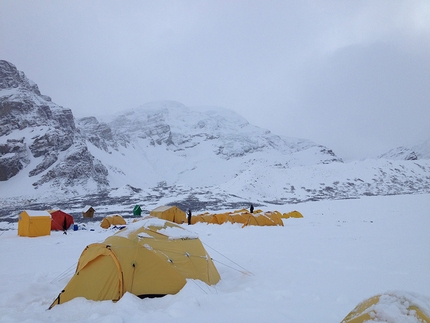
<point>247,272</point>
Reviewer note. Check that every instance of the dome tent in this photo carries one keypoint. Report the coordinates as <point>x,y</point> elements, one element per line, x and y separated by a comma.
<point>403,306</point>
<point>292,214</point>
<point>151,257</point>
<point>170,213</point>
<point>258,218</point>
<point>112,220</point>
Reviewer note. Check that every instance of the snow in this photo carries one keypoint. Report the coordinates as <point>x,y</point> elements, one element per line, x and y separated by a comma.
<point>313,269</point>
<point>86,208</point>
<point>173,232</point>
<point>34,213</point>
<point>177,234</point>
<point>8,155</point>
<point>144,235</point>
<point>397,306</point>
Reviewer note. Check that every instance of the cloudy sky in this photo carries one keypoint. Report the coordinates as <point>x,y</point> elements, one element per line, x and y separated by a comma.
<point>351,75</point>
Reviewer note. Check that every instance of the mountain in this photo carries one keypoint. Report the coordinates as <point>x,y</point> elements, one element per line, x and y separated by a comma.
<point>166,152</point>
<point>39,139</point>
<point>420,151</point>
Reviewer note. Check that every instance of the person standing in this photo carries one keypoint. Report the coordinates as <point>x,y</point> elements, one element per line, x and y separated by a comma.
<point>251,209</point>
<point>189,216</point>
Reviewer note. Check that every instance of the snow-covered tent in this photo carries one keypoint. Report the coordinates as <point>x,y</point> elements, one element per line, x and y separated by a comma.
<point>243,216</point>
<point>169,213</point>
<point>112,220</point>
<point>401,306</point>
<point>34,223</point>
<point>150,257</point>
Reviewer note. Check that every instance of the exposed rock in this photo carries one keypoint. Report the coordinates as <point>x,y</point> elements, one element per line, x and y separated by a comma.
<point>48,160</point>
<point>13,158</point>
<point>416,152</point>
<point>59,151</point>
<point>98,133</point>
<point>77,167</point>
<point>10,77</point>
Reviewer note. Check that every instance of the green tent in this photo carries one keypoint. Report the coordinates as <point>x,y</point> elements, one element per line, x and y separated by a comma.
<point>137,211</point>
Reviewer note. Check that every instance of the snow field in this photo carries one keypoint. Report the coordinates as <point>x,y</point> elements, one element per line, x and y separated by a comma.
<point>314,269</point>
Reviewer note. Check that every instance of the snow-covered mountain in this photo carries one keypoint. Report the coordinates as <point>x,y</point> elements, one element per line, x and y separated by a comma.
<point>39,139</point>
<point>166,152</point>
<point>420,151</point>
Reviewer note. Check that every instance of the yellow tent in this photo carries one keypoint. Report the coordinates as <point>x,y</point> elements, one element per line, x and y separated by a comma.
<point>375,309</point>
<point>241,216</point>
<point>219,218</point>
<point>268,218</point>
<point>169,213</point>
<point>112,220</point>
<point>292,214</point>
<point>201,218</point>
<point>34,223</point>
<point>151,257</point>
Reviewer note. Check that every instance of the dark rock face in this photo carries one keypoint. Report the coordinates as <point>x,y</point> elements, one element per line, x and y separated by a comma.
<point>416,152</point>
<point>48,160</point>
<point>98,133</point>
<point>152,128</point>
<point>75,169</point>
<point>13,157</point>
<point>10,77</point>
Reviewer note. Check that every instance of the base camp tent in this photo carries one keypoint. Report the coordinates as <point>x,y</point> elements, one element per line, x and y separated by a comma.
<point>150,257</point>
<point>60,220</point>
<point>169,213</point>
<point>243,216</point>
<point>137,210</point>
<point>34,223</point>
<point>112,220</point>
<point>405,307</point>
<point>292,214</point>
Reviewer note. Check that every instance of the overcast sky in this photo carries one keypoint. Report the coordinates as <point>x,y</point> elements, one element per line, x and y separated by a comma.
<point>351,75</point>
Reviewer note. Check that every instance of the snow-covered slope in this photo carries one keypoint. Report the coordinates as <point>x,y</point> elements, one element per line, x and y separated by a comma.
<point>419,151</point>
<point>313,269</point>
<point>169,142</point>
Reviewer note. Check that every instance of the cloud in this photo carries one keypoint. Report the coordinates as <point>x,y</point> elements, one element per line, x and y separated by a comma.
<point>367,97</point>
<point>350,75</point>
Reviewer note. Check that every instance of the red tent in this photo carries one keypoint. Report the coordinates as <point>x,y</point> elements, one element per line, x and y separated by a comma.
<point>60,220</point>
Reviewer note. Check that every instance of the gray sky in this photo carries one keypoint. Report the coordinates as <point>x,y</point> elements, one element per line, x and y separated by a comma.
<point>351,75</point>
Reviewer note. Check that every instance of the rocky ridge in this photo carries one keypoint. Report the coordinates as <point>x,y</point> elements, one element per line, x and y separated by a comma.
<point>40,137</point>
<point>416,152</point>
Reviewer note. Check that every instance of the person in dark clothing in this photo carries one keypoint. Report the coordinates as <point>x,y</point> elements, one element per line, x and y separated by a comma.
<point>189,216</point>
<point>251,209</point>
